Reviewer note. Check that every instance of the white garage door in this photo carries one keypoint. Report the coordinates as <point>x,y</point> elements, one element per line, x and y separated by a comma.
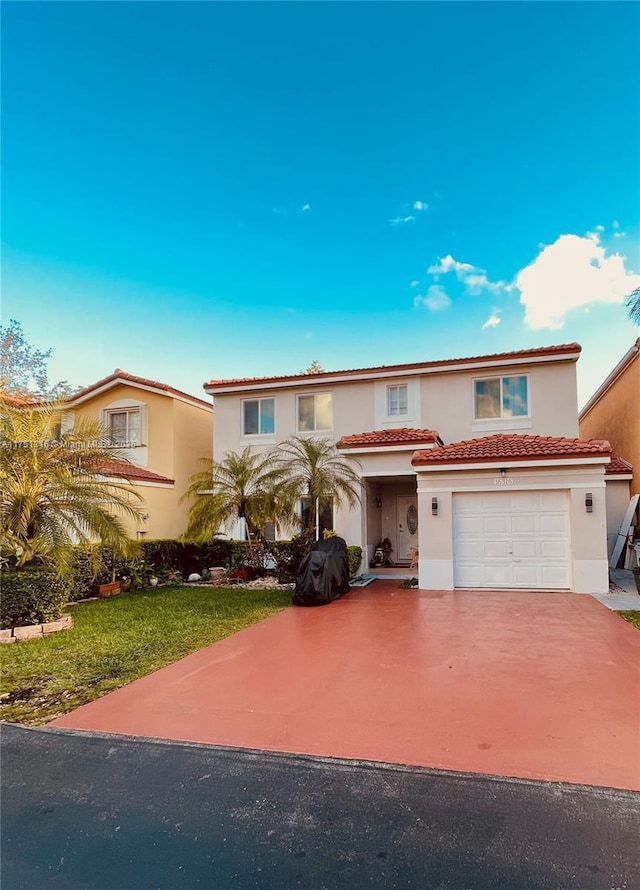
<point>511,539</point>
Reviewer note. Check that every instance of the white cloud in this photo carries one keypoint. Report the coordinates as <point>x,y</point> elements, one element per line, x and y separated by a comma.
<point>420,205</point>
<point>492,322</point>
<point>572,272</point>
<point>599,228</point>
<point>414,283</point>
<point>448,264</point>
<point>435,299</point>
<point>615,224</point>
<point>401,219</point>
<point>305,208</point>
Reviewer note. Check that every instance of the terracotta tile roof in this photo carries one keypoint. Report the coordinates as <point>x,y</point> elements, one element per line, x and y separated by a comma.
<point>416,366</point>
<point>119,374</point>
<point>512,447</point>
<point>618,467</point>
<point>377,438</point>
<point>16,401</point>
<point>127,470</point>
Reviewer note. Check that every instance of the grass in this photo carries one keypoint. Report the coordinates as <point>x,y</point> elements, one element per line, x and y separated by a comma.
<point>115,641</point>
<point>633,617</point>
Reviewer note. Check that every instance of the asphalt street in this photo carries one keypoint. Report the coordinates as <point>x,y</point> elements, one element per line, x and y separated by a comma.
<point>116,813</point>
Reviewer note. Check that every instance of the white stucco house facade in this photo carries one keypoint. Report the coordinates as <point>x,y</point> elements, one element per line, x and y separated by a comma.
<point>475,463</point>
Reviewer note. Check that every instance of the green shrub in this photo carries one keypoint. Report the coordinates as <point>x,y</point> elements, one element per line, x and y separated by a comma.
<point>32,596</point>
<point>84,568</point>
<point>355,558</point>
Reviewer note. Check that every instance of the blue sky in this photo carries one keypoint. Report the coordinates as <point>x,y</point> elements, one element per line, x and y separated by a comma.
<point>206,190</point>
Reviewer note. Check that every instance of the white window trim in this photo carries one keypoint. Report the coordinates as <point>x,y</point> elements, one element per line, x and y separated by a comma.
<point>263,437</point>
<point>315,429</point>
<point>137,453</point>
<point>519,420</point>
<point>398,387</point>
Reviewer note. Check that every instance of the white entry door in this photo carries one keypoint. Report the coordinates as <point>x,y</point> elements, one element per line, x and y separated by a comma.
<point>407,526</point>
<point>512,539</point>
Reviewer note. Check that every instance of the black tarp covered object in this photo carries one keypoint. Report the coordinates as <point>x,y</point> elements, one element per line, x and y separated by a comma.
<point>323,575</point>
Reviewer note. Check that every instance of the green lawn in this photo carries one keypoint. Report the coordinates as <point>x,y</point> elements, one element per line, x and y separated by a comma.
<point>115,641</point>
<point>631,617</point>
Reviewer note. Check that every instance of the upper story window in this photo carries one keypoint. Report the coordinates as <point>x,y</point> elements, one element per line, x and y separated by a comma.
<point>498,397</point>
<point>258,417</point>
<point>315,412</point>
<point>397,400</point>
<point>125,428</point>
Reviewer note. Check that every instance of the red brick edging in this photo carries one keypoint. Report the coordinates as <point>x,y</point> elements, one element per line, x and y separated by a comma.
<point>31,631</point>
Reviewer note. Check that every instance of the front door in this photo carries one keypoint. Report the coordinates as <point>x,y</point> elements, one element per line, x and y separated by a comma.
<point>407,527</point>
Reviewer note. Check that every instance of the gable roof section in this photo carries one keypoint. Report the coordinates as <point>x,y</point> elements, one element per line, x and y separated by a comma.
<point>564,352</point>
<point>512,448</point>
<point>123,377</point>
<point>389,438</point>
<point>622,365</point>
<point>126,470</point>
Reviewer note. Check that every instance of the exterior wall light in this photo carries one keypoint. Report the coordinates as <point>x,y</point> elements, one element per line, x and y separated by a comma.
<point>588,502</point>
<point>434,506</point>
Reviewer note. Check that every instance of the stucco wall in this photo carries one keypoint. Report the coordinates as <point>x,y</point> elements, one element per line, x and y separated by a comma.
<point>177,435</point>
<point>448,403</point>
<point>444,403</point>
<point>616,417</point>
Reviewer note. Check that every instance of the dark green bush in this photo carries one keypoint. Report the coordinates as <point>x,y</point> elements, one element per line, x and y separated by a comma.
<point>355,558</point>
<point>32,596</point>
<point>84,566</point>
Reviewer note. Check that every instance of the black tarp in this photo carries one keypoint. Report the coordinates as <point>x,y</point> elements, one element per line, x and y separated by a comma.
<point>323,575</point>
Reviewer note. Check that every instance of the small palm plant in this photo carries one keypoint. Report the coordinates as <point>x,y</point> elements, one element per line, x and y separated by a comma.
<point>313,468</point>
<point>240,486</point>
<point>54,493</point>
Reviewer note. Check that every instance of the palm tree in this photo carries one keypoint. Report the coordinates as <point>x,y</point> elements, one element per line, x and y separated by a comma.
<point>313,468</point>
<point>54,493</point>
<point>241,486</point>
<point>633,305</point>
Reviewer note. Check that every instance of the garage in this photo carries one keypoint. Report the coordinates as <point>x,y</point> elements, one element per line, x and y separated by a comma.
<point>513,511</point>
<point>512,539</point>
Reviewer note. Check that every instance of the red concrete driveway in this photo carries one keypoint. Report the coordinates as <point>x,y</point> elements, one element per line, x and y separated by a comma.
<point>527,684</point>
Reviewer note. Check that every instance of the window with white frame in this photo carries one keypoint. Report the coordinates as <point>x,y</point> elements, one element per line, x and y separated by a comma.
<point>315,412</point>
<point>125,428</point>
<point>323,515</point>
<point>397,400</point>
<point>499,397</point>
<point>258,417</point>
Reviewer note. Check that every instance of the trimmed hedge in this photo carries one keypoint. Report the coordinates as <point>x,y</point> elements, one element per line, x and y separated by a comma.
<point>160,557</point>
<point>32,596</point>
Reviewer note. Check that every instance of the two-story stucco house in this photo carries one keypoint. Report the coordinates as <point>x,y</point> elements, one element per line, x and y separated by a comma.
<point>162,433</point>
<point>475,463</point>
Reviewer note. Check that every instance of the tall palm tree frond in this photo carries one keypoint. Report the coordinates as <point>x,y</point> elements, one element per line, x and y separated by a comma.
<point>53,491</point>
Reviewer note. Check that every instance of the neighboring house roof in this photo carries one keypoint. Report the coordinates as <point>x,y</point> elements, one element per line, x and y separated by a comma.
<point>512,447</point>
<point>564,352</point>
<point>123,377</point>
<point>126,470</point>
<point>626,360</point>
<point>618,467</point>
<point>16,401</point>
<point>381,438</point>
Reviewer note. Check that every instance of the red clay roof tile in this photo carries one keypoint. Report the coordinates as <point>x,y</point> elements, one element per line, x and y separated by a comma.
<point>618,467</point>
<point>403,436</point>
<point>127,470</point>
<point>511,447</point>
<point>415,366</point>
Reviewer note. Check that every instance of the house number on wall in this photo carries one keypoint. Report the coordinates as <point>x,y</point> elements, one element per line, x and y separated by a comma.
<point>503,481</point>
